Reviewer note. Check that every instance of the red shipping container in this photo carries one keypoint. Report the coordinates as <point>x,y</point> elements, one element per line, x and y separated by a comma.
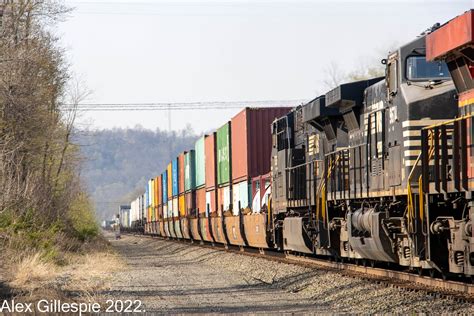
<point>181,172</point>
<point>454,34</point>
<point>201,200</point>
<point>210,152</point>
<point>252,141</point>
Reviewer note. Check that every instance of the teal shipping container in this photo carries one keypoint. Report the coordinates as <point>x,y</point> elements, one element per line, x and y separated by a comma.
<point>200,163</point>
<point>164,178</point>
<point>189,171</point>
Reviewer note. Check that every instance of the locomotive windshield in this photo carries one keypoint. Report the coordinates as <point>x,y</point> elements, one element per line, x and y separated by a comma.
<point>419,69</point>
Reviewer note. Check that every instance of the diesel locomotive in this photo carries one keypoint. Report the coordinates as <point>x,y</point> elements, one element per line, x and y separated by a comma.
<point>377,171</point>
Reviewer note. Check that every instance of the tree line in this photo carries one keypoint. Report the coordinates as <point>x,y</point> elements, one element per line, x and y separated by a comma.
<point>42,200</point>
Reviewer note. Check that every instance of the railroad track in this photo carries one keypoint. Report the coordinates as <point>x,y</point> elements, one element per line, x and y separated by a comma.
<point>456,290</point>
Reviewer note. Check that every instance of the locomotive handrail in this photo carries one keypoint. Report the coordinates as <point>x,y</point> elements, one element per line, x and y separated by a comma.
<point>304,164</point>
<point>448,122</point>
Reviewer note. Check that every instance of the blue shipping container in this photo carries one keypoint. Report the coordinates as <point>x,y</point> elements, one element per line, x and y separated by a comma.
<point>164,178</point>
<point>174,168</point>
<point>146,194</point>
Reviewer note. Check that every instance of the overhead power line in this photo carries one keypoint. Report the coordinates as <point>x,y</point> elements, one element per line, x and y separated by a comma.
<point>222,105</point>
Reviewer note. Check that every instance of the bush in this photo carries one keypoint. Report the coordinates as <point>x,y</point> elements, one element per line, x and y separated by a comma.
<point>82,218</point>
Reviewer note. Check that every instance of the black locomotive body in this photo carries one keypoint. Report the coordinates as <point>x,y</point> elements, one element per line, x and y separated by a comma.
<point>346,167</point>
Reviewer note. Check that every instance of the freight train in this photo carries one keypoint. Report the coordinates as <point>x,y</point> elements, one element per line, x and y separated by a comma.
<point>378,171</point>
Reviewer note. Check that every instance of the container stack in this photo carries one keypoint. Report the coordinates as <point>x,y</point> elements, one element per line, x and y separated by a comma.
<point>200,167</point>
<point>189,182</point>
<point>224,168</point>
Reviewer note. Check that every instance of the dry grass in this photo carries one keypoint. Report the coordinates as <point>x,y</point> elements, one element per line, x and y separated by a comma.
<point>80,279</point>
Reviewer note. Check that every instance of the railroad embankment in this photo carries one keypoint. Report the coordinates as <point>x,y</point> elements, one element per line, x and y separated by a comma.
<point>173,277</point>
<point>77,276</point>
<point>156,275</point>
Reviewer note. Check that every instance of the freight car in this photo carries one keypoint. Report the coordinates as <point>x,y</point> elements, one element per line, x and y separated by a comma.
<point>373,171</point>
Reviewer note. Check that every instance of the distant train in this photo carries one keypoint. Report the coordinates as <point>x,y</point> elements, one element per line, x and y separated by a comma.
<point>374,171</point>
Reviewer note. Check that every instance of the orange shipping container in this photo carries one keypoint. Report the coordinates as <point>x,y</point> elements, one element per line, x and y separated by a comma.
<point>156,192</point>
<point>182,205</point>
<point>160,188</point>
<point>181,172</point>
<point>201,200</point>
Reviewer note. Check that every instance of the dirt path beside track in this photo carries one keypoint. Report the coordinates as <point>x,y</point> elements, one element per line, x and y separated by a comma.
<point>171,277</point>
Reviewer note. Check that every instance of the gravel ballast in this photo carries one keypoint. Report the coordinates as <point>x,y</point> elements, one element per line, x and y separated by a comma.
<point>172,277</point>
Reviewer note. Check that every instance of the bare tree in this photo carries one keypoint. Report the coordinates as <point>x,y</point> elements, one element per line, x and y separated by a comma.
<point>39,163</point>
<point>367,67</point>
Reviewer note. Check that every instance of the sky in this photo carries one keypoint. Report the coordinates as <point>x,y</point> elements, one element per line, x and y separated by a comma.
<point>227,51</point>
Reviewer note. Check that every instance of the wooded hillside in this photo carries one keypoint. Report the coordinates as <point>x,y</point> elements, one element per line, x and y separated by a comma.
<point>118,162</point>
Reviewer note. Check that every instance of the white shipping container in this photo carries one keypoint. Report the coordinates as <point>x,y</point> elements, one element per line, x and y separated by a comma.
<point>240,192</point>
<point>175,207</point>
<point>208,204</point>
<point>165,211</point>
<point>135,210</point>
<point>226,199</point>
<point>170,208</point>
<point>125,218</point>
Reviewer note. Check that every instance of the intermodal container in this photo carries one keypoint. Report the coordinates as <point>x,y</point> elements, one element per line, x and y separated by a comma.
<point>211,199</point>
<point>189,171</point>
<point>190,201</point>
<point>242,196</point>
<point>174,170</point>
<point>182,205</point>
<point>224,198</point>
<point>201,200</point>
<point>134,211</point>
<point>251,141</point>
<point>170,208</point>
<point>159,180</point>
<point>181,172</point>
<point>223,144</point>
<point>175,207</point>
<point>164,177</point>
<point>152,194</point>
<point>200,163</point>
<point>169,170</point>
<point>210,151</point>
<point>165,210</point>
<point>147,201</point>
<point>153,199</point>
